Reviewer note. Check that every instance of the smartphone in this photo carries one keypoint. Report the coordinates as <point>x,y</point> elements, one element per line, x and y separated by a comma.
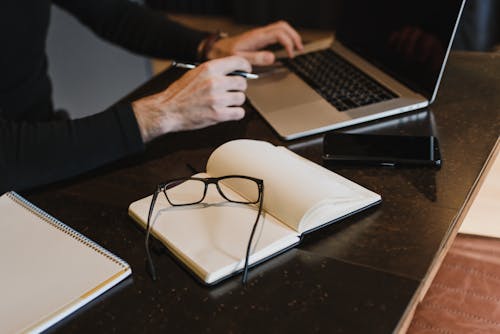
<point>381,149</point>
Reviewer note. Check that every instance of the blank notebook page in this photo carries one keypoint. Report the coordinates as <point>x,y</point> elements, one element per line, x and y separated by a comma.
<point>45,269</point>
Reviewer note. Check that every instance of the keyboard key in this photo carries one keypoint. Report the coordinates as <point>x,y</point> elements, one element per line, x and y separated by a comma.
<point>337,80</point>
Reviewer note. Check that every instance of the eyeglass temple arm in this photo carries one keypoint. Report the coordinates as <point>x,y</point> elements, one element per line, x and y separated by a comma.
<point>247,255</point>
<point>150,265</point>
<point>151,207</point>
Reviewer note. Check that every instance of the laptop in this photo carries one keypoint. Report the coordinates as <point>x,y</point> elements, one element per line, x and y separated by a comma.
<point>387,58</point>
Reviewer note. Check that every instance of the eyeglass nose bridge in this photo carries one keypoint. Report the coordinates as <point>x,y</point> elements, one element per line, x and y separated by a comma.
<point>215,181</point>
<point>211,180</point>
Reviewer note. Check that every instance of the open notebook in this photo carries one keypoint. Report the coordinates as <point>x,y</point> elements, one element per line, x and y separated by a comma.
<point>48,270</point>
<point>299,197</point>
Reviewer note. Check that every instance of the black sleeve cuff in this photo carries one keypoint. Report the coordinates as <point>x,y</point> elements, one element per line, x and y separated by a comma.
<point>130,133</point>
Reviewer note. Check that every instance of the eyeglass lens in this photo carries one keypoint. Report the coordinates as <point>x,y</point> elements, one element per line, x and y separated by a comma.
<point>248,188</point>
<point>189,191</point>
<point>192,191</point>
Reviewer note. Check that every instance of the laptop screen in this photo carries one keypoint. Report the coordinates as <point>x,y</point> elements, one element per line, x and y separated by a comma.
<point>407,39</point>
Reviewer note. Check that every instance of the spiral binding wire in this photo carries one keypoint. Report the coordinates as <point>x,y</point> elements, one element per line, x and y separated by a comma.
<point>64,228</point>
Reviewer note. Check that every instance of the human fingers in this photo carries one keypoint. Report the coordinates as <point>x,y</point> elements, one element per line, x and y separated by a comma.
<point>285,40</point>
<point>260,58</point>
<point>225,65</point>
<point>270,35</point>
<point>230,114</point>
<point>229,83</point>
<point>227,99</point>
<point>217,92</point>
<point>290,31</point>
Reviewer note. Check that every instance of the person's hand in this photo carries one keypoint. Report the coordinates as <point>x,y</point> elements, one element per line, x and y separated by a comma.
<point>203,96</point>
<point>249,43</point>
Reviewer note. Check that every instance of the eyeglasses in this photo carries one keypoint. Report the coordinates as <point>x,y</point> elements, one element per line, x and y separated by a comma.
<point>254,193</point>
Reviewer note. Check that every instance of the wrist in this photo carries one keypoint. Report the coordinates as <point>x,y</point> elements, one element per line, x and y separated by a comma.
<point>141,121</point>
<point>206,46</point>
<point>150,117</point>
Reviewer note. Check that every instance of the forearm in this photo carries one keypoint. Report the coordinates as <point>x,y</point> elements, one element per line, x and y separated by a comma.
<point>34,154</point>
<point>136,28</point>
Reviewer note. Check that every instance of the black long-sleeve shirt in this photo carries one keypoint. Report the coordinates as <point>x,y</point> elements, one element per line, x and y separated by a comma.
<point>35,149</point>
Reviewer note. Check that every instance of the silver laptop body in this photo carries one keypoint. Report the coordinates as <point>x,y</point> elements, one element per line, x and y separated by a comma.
<point>294,109</point>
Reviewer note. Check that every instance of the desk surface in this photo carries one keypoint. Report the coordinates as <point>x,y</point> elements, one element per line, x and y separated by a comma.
<point>361,275</point>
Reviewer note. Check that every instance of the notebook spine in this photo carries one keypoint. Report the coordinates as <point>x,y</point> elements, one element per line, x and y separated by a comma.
<point>44,216</point>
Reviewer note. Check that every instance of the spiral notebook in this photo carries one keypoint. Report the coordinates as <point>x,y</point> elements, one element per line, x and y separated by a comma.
<point>48,270</point>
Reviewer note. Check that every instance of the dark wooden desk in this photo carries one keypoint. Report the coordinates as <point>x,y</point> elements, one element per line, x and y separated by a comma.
<point>362,275</point>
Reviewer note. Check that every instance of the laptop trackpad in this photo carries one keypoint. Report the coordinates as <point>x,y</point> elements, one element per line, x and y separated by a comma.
<point>279,91</point>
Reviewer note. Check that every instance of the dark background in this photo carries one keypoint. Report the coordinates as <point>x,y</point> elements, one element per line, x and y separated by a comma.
<point>479,29</point>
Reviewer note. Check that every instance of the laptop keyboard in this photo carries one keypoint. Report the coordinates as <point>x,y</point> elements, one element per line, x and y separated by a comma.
<point>336,80</point>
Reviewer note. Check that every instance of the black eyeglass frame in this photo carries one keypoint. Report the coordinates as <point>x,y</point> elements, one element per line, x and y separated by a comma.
<point>163,187</point>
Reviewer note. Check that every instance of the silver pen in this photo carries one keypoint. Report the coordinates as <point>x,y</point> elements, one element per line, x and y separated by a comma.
<point>243,74</point>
